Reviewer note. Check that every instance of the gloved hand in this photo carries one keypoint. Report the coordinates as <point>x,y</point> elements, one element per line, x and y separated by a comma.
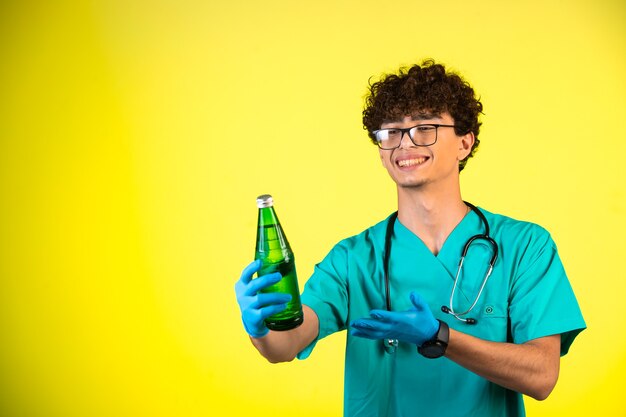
<point>416,325</point>
<point>256,306</point>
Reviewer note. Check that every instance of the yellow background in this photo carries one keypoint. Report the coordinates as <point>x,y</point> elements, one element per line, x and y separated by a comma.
<point>135,136</point>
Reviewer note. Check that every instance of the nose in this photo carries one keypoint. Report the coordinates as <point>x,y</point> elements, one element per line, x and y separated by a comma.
<point>409,143</point>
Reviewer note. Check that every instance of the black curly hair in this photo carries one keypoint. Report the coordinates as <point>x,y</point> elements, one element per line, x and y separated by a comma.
<point>428,88</point>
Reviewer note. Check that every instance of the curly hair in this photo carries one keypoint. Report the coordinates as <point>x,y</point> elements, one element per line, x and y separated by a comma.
<point>428,88</point>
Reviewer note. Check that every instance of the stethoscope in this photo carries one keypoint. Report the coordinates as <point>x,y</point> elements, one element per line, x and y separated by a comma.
<point>392,344</point>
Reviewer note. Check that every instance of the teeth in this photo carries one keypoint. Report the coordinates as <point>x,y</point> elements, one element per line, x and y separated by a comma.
<point>411,162</point>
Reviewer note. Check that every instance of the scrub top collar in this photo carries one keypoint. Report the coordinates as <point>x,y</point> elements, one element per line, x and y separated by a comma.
<point>450,252</point>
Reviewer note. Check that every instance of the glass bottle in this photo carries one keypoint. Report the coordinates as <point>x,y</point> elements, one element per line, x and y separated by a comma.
<point>273,249</point>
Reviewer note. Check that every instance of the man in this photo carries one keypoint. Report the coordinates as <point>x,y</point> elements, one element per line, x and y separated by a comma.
<point>428,335</point>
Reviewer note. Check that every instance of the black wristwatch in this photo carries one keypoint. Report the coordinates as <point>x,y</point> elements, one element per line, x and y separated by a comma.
<point>436,347</point>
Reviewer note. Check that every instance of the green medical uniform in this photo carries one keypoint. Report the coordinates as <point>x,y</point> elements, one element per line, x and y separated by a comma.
<point>527,296</point>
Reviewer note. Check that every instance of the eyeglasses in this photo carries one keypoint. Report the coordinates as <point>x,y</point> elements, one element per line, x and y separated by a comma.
<point>420,135</point>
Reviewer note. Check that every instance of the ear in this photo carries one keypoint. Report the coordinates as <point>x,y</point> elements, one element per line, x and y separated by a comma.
<point>465,145</point>
<point>380,153</point>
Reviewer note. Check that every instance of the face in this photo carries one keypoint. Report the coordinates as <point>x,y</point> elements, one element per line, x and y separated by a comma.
<point>416,166</point>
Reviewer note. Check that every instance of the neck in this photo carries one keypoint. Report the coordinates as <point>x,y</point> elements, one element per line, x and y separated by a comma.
<point>431,214</point>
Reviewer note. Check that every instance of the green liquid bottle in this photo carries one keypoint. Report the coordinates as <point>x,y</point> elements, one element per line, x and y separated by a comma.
<point>273,249</point>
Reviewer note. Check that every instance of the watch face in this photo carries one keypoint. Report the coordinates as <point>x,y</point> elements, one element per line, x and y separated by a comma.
<point>432,350</point>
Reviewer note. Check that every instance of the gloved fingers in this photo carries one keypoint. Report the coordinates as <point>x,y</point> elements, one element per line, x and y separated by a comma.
<point>263,300</point>
<point>385,316</point>
<point>253,318</point>
<point>260,283</point>
<point>249,271</point>
<point>261,330</point>
<point>418,301</point>
<point>362,328</point>
<point>270,310</point>
<point>371,326</point>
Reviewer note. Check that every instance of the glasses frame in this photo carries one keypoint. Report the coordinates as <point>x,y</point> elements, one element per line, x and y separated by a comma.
<point>408,131</point>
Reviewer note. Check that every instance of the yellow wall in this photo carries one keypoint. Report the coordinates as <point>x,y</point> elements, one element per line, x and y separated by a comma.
<point>135,136</point>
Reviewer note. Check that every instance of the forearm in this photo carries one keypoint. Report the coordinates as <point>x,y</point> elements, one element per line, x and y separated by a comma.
<point>283,346</point>
<point>531,368</point>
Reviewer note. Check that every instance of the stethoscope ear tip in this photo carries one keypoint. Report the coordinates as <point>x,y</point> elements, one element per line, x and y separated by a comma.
<point>468,320</point>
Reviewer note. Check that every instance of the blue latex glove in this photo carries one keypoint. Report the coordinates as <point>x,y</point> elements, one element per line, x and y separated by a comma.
<point>416,325</point>
<point>256,306</point>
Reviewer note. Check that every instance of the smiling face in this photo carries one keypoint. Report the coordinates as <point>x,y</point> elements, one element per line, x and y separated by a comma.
<point>412,166</point>
<point>426,86</point>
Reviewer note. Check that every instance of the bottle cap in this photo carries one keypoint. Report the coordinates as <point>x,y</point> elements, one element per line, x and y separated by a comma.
<point>264,200</point>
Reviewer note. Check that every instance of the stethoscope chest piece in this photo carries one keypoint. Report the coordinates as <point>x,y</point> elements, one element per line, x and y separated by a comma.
<point>390,345</point>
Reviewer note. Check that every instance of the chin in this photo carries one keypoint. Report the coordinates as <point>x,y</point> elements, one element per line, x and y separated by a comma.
<point>411,184</point>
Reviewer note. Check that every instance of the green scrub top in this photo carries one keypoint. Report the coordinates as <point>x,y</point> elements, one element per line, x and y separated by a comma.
<point>526,297</point>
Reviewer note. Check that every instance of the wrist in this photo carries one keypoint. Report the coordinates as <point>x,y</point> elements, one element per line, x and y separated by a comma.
<point>437,345</point>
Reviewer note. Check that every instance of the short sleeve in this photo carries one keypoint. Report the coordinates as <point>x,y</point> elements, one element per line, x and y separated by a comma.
<point>542,300</point>
<point>326,293</point>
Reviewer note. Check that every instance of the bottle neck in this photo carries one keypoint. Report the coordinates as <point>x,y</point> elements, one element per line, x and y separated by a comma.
<point>270,234</point>
<point>267,217</point>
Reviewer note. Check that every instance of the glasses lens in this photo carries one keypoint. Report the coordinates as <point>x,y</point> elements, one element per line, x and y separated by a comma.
<point>424,135</point>
<point>388,138</point>
<point>421,135</point>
